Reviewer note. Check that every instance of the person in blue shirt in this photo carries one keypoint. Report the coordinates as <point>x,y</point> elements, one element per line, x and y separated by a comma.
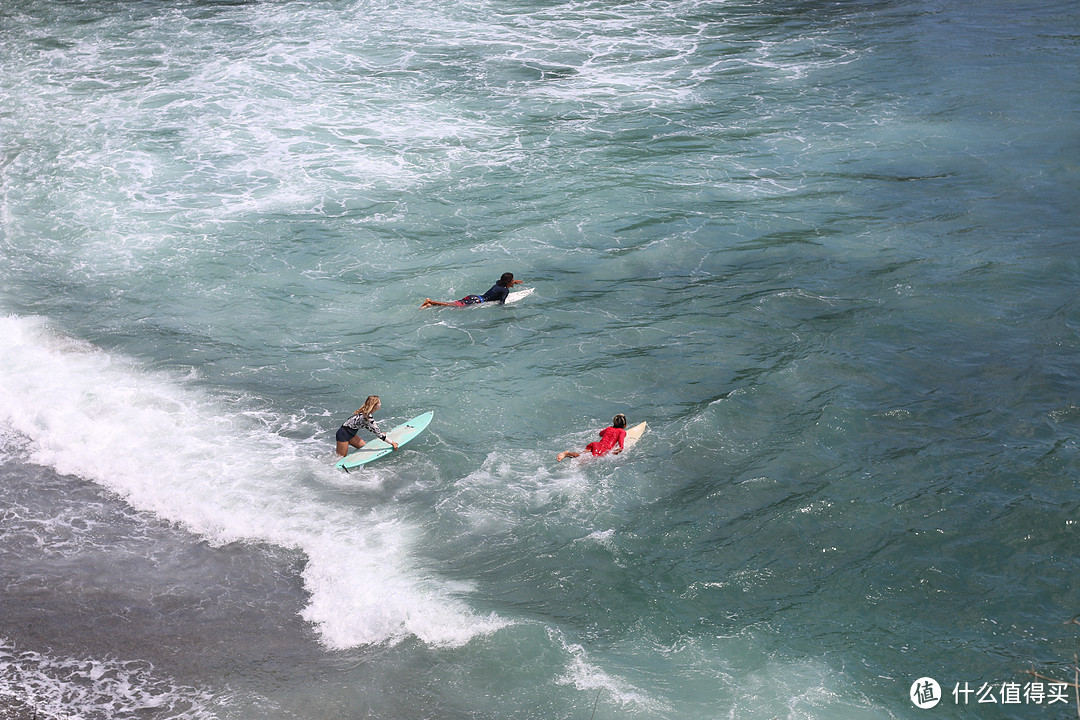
<point>497,293</point>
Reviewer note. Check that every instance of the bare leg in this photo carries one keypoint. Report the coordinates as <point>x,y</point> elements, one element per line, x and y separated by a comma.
<point>428,302</point>
<point>343,447</point>
<point>565,454</point>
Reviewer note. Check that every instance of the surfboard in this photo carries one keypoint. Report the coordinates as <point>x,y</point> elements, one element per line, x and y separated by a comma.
<point>634,434</point>
<point>510,298</point>
<point>375,449</point>
<point>515,296</point>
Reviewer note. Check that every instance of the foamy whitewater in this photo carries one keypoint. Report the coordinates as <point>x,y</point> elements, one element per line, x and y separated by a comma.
<point>828,251</point>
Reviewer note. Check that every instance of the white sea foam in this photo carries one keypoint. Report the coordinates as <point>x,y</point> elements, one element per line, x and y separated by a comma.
<point>169,448</point>
<point>505,487</point>
<point>584,674</point>
<point>82,688</point>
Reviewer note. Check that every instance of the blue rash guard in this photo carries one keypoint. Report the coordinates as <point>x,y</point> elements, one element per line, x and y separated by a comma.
<point>496,293</point>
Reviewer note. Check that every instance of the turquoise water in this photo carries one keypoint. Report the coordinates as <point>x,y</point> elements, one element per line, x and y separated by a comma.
<point>828,251</point>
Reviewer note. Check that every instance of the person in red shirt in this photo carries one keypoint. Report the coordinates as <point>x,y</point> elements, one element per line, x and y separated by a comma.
<point>609,436</point>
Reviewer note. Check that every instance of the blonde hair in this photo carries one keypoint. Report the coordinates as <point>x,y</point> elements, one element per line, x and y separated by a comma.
<point>369,406</point>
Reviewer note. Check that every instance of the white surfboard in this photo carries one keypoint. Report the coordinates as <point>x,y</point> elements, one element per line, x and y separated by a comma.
<point>515,296</point>
<point>510,298</point>
<point>634,434</point>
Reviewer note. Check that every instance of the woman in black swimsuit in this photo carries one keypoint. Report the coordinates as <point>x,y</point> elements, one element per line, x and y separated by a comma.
<point>362,418</point>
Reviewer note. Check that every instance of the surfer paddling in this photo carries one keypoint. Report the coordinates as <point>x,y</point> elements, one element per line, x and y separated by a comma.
<point>616,433</point>
<point>497,293</point>
<point>361,419</point>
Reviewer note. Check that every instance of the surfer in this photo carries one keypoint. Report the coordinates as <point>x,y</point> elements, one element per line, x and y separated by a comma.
<point>616,433</point>
<point>362,418</point>
<point>497,293</point>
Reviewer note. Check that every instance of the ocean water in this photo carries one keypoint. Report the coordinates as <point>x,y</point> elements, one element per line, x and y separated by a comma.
<point>830,251</point>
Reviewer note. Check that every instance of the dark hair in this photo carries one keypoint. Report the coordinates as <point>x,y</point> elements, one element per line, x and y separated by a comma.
<point>618,421</point>
<point>506,280</point>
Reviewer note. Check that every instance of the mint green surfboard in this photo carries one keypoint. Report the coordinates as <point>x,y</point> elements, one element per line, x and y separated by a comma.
<point>375,449</point>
